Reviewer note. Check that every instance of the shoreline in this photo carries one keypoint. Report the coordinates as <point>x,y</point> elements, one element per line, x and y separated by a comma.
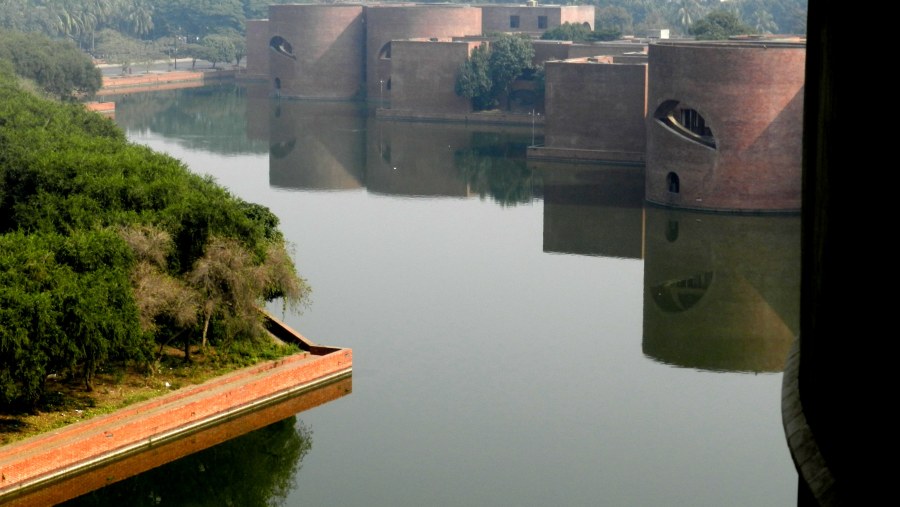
<point>30,465</point>
<point>161,80</point>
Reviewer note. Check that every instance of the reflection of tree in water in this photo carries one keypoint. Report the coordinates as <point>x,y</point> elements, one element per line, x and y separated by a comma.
<point>258,468</point>
<point>495,166</point>
<point>211,118</point>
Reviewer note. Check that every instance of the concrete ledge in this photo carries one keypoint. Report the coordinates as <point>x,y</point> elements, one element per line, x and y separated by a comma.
<point>44,459</point>
<point>108,108</point>
<point>732,211</point>
<point>485,118</point>
<point>160,453</point>
<point>550,153</point>
<point>161,80</point>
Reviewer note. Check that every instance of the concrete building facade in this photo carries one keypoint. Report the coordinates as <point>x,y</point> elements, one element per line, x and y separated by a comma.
<point>344,51</point>
<point>535,19</point>
<point>423,73</point>
<point>258,48</point>
<point>604,119</point>
<point>716,123</point>
<point>386,23</point>
<point>316,51</point>
<point>724,125</point>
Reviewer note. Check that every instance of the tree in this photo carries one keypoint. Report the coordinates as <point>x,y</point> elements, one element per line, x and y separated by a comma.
<point>718,25</point>
<point>686,12</point>
<point>577,32</point>
<point>614,18</point>
<point>101,243</point>
<point>474,78</point>
<point>136,17</point>
<point>232,285</point>
<point>197,18</point>
<point>764,22</point>
<point>489,71</point>
<point>510,56</point>
<point>58,67</point>
<point>218,48</point>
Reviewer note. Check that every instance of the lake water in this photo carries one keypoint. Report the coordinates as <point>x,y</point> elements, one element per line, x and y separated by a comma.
<point>521,337</point>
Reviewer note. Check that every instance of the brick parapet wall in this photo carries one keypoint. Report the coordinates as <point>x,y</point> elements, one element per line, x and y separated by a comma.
<point>38,459</point>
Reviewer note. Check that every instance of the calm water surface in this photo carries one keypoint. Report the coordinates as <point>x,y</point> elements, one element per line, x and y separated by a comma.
<point>520,338</point>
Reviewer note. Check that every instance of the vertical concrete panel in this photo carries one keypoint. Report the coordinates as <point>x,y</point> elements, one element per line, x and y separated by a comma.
<point>258,48</point>
<point>596,106</point>
<point>578,14</point>
<point>423,76</point>
<point>545,50</point>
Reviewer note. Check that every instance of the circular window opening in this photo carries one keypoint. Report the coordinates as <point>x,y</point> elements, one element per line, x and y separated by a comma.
<point>281,46</point>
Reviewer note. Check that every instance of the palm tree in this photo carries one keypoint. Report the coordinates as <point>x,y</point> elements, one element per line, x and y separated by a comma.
<point>764,22</point>
<point>138,17</point>
<point>687,12</point>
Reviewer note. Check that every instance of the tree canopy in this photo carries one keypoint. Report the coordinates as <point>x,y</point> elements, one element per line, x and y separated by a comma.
<point>718,25</point>
<point>491,69</point>
<point>108,249</point>
<point>57,67</point>
<point>576,32</point>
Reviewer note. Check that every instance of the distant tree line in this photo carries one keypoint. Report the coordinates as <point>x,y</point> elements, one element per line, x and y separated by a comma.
<point>109,250</point>
<point>635,17</point>
<point>132,31</point>
<point>577,32</point>
<point>57,68</point>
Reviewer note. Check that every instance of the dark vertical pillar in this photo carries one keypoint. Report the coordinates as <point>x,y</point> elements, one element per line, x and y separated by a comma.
<point>841,325</point>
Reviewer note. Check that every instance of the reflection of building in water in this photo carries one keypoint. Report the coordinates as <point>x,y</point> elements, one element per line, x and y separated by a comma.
<point>415,159</point>
<point>258,111</point>
<point>317,145</point>
<point>724,124</point>
<point>593,211</point>
<point>721,292</point>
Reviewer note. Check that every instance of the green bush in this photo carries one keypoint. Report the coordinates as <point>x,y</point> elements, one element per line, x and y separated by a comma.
<point>108,249</point>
